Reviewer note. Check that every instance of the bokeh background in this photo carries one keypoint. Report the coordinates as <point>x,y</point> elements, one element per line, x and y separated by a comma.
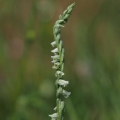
<point>92,59</point>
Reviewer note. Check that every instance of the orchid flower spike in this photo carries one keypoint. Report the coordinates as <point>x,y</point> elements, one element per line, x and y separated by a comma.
<point>58,61</point>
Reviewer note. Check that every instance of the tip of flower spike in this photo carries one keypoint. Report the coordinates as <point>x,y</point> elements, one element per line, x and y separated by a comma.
<point>72,5</point>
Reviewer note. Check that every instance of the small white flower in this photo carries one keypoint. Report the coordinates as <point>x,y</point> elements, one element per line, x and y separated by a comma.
<point>55,50</point>
<point>63,83</point>
<point>54,61</point>
<point>53,43</point>
<point>56,65</point>
<point>54,116</point>
<point>65,93</point>
<point>55,57</point>
<point>59,74</point>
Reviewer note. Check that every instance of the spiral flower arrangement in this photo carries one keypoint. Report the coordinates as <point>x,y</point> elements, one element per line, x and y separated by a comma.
<point>58,61</point>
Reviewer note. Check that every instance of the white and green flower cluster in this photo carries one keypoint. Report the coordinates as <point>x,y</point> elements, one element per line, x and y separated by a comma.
<point>58,61</point>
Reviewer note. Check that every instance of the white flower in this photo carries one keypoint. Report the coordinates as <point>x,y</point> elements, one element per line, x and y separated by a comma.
<point>65,93</point>
<point>54,116</point>
<point>63,83</point>
<point>55,50</point>
<point>54,61</point>
<point>59,74</point>
<point>53,43</point>
<point>55,57</point>
<point>56,65</point>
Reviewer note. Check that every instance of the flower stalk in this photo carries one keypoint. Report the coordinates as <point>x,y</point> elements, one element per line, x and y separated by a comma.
<point>58,61</point>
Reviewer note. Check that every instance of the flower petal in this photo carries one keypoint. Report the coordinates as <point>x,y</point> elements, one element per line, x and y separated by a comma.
<point>55,57</point>
<point>63,83</point>
<point>55,50</point>
<point>54,61</point>
<point>53,43</point>
<point>59,74</point>
<point>56,65</point>
<point>54,116</point>
<point>65,93</point>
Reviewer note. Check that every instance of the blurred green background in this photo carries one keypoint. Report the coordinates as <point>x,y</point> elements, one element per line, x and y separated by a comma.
<point>92,59</point>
